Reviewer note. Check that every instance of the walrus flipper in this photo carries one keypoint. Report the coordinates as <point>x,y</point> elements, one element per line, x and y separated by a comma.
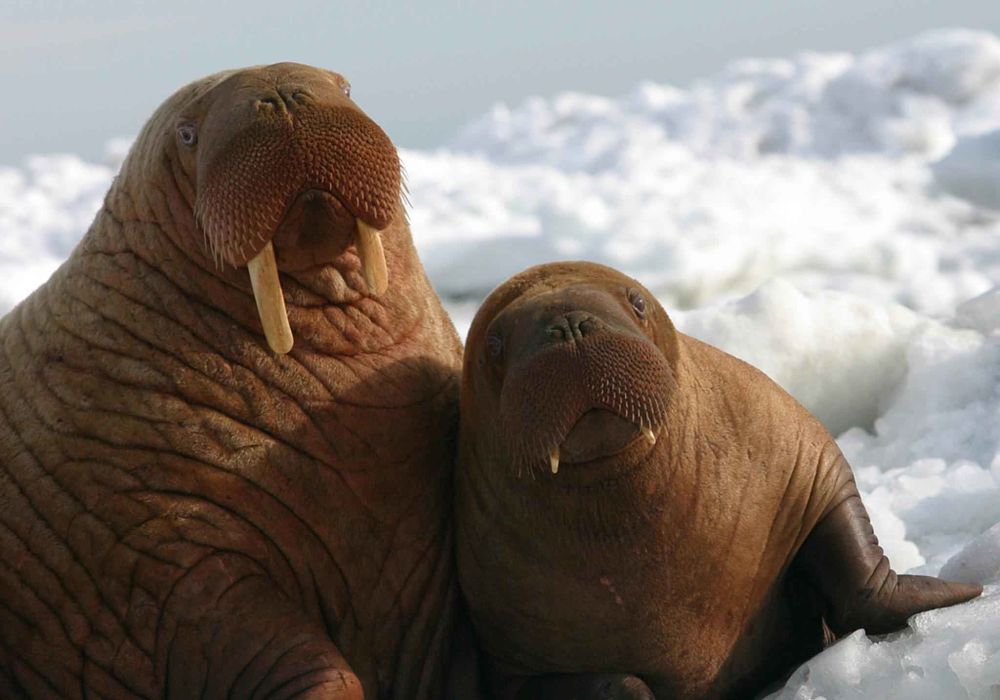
<point>845,562</point>
<point>233,633</point>
<point>572,686</point>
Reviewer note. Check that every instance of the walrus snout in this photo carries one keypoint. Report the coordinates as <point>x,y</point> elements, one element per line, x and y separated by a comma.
<point>286,159</point>
<point>581,379</point>
<point>267,154</point>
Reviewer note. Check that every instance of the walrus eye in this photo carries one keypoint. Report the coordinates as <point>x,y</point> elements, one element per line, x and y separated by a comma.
<point>346,87</point>
<point>638,303</point>
<point>188,134</point>
<point>494,346</point>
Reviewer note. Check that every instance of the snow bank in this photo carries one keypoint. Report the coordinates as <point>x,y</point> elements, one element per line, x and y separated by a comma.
<point>945,654</point>
<point>802,214</point>
<point>838,354</point>
<point>910,98</point>
<point>44,209</point>
<point>693,229</point>
<point>815,168</point>
<point>972,169</point>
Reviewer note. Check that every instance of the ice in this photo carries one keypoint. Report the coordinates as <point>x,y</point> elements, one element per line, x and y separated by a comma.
<point>979,560</point>
<point>910,98</point>
<point>971,170</point>
<point>981,313</point>
<point>839,354</point>
<point>817,168</point>
<point>44,208</point>
<point>694,229</point>
<point>833,219</point>
<point>952,653</point>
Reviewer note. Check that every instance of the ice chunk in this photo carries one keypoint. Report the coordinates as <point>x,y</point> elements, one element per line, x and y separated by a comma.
<point>972,170</point>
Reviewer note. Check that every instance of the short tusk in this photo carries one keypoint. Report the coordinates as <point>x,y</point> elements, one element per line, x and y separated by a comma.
<point>372,258</point>
<point>650,435</point>
<point>270,302</point>
<point>554,460</point>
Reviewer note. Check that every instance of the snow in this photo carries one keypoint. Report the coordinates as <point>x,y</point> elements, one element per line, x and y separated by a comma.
<point>972,169</point>
<point>834,219</point>
<point>815,168</point>
<point>944,654</point>
<point>45,206</point>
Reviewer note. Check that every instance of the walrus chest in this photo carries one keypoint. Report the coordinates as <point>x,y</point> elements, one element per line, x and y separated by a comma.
<point>666,586</point>
<point>640,605</point>
<point>186,477</point>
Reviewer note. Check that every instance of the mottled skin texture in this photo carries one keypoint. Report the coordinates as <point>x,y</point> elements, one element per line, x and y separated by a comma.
<point>705,565</point>
<point>184,513</point>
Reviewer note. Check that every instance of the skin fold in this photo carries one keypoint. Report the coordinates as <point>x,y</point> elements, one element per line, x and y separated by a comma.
<point>639,514</point>
<point>185,513</point>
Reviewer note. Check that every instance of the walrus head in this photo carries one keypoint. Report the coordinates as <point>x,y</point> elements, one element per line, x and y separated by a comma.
<point>276,166</point>
<point>569,364</point>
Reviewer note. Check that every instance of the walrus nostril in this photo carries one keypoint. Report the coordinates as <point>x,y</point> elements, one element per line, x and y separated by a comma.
<point>574,325</point>
<point>587,326</point>
<point>558,332</point>
<point>267,104</point>
<point>299,97</point>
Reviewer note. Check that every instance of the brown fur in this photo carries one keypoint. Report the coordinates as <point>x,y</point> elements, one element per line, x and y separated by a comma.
<point>184,513</point>
<point>675,562</point>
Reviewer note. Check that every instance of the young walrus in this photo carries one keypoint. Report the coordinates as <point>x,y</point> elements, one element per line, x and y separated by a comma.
<point>642,515</point>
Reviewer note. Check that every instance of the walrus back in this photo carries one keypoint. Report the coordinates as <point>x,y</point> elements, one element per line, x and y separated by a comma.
<point>786,445</point>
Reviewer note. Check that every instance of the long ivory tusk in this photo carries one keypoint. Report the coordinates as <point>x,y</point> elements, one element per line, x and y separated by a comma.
<point>554,460</point>
<point>270,302</point>
<point>372,258</point>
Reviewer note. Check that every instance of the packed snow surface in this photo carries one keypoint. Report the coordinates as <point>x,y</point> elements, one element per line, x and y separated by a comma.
<point>834,219</point>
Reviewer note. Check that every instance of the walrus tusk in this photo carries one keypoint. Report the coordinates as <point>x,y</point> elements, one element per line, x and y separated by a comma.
<point>650,435</point>
<point>372,258</point>
<point>554,460</point>
<point>270,302</point>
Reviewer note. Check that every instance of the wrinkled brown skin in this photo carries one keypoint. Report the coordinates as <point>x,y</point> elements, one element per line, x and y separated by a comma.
<point>706,565</point>
<point>185,514</point>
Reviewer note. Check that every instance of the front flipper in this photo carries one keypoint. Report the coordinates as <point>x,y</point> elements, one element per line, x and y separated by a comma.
<point>573,686</point>
<point>843,559</point>
<point>229,632</point>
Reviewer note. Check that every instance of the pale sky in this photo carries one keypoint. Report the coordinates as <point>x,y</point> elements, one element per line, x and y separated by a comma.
<point>76,74</point>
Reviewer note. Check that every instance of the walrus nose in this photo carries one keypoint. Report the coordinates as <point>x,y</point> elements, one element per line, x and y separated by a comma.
<point>573,326</point>
<point>282,100</point>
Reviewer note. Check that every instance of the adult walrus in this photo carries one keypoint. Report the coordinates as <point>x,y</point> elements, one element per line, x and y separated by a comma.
<point>640,514</point>
<point>185,513</point>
